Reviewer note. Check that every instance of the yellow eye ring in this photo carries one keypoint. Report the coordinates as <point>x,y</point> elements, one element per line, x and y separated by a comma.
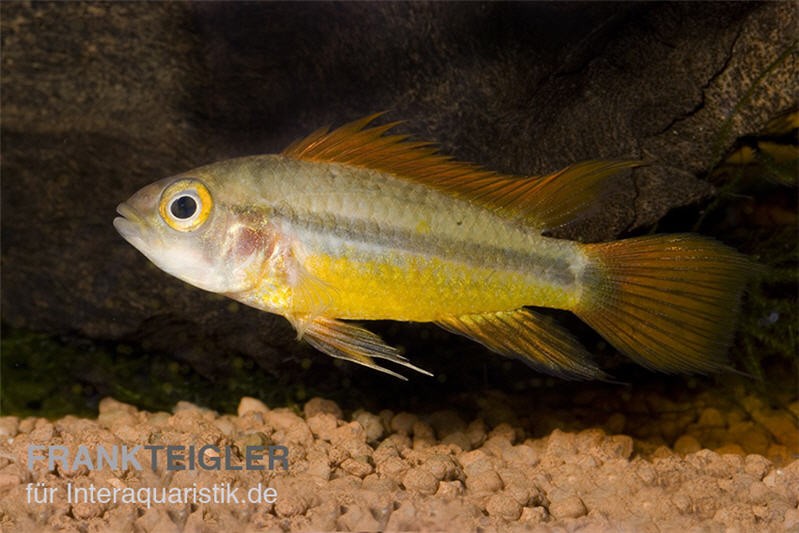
<point>185,205</point>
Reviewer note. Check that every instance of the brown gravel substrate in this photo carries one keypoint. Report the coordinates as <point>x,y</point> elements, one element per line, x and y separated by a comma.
<point>403,471</point>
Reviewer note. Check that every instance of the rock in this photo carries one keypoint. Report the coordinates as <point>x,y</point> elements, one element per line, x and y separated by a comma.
<point>757,465</point>
<point>316,406</point>
<point>449,489</point>
<point>711,417</point>
<point>8,481</point>
<point>358,468</point>
<point>356,518</point>
<point>443,467</point>
<point>486,481</point>
<point>251,405</point>
<point>323,425</point>
<point>420,480</point>
<point>9,426</point>
<point>533,515</point>
<point>502,506</point>
<point>568,507</point>
<point>371,424</point>
<point>781,424</point>
<point>750,436</point>
<point>403,423</point>
<point>459,439</point>
<point>687,444</point>
<point>345,483</point>
<point>791,520</point>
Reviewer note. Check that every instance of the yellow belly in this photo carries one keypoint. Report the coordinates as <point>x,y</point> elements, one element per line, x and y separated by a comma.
<point>420,289</point>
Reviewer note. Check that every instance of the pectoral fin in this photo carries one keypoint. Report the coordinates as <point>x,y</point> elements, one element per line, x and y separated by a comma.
<point>523,334</point>
<point>345,341</point>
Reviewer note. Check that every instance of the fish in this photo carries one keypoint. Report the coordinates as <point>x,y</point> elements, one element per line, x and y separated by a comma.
<point>358,223</point>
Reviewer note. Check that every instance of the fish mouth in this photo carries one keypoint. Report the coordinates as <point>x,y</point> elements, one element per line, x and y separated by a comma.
<point>129,224</point>
<point>128,212</point>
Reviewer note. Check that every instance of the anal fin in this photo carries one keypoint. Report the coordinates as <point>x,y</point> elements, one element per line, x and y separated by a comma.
<point>534,338</point>
<point>346,341</point>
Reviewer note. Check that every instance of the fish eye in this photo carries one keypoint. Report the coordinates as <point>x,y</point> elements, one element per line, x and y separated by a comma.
<point>185,205</point>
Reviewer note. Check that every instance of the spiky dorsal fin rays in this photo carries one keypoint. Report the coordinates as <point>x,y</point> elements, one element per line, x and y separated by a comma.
<point>542,203</point>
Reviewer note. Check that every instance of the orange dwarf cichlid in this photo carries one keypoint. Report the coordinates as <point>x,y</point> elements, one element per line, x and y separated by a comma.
<point>356,224</point>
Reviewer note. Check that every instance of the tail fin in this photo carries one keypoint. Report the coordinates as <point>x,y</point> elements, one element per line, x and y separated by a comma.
<point>667,301</point>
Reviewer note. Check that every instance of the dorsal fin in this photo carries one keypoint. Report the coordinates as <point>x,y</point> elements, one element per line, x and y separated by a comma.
<point>542,202</point>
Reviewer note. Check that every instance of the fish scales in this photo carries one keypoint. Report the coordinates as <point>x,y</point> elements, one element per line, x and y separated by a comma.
<point>358,224</point>
<point>392,249</point>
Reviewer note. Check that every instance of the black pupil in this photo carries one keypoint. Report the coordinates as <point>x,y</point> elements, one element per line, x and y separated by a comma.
<point>184,207</point>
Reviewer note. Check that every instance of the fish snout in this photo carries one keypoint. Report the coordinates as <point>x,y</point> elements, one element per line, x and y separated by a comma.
<point>135,212</point>
<point>128,224</point>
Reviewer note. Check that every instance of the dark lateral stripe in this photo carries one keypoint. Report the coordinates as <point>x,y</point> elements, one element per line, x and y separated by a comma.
<point>363,232</point>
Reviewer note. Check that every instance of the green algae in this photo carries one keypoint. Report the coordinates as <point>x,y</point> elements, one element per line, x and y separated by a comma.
<point>51,376</point>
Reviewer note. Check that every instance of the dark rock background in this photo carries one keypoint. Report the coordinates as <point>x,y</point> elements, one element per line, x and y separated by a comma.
<point>99,99</point>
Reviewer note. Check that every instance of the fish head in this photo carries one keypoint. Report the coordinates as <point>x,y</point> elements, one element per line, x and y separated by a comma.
<point>181,225</point>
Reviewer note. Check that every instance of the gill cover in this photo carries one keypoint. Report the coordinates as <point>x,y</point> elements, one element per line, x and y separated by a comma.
<point>185,205</point>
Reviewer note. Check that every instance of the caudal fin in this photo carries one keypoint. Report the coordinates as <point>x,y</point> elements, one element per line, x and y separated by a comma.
<point>667,301</point>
